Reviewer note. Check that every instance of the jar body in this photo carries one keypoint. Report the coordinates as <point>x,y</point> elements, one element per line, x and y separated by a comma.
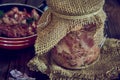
<point>77,49</point>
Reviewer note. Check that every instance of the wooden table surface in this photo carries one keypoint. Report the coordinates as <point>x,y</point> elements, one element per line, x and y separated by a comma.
<point>18,59</point>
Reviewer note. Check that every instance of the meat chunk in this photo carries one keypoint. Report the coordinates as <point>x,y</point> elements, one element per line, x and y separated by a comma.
<point>76,49</point>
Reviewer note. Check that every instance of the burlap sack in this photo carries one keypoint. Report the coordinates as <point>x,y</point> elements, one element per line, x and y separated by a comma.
<point>62,17</point>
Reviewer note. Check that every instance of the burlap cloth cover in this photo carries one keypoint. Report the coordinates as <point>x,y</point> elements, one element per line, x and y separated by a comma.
<point>64,16</point>
<point>61,18</point>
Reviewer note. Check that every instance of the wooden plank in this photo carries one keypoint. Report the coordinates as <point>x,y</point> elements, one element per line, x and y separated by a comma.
<point>4,65</point>
<point>3,69</point>
<point>19,61</point>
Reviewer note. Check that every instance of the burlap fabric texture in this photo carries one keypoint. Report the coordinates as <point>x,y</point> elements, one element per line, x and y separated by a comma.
<point>106,68</point>
<point>61,18</point>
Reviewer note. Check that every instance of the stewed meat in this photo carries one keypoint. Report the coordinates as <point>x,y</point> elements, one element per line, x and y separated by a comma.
<point>16,23</point>
<point>77,48</point>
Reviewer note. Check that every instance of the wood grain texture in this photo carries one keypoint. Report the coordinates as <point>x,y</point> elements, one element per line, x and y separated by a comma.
<point>4,65</point>
<point>10,60</point>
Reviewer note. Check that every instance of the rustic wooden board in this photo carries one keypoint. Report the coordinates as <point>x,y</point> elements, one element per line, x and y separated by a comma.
<point>5,59</point>
<point>19,60</point>
<point>4,64</point>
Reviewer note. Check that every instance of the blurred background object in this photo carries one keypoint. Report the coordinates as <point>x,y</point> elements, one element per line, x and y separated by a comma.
<point>112,9</point>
